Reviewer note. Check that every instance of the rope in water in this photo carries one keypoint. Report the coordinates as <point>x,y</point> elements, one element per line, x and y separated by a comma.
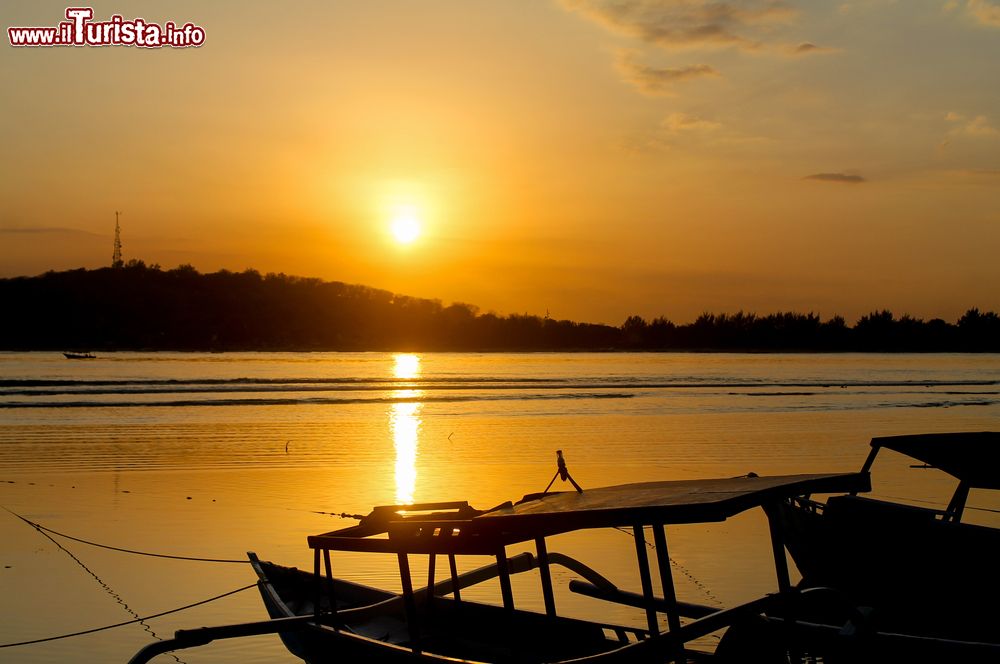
<point>41,528</point>
<point>44,532</point>
<point>108,589</point>
<point>128,622</point>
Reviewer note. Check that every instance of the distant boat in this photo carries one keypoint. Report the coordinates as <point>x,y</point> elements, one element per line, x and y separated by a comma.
<point>80,356</point>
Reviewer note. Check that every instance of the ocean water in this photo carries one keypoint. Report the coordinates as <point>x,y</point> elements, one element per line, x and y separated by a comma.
<point>212,455</point>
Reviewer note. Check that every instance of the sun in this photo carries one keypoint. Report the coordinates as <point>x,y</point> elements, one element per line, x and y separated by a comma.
<point>405,227</point>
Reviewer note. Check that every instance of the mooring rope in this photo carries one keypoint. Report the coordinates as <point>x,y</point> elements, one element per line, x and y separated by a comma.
<point>44,532</point>
<point>129,622</point>
<point>42,529</point>
<point>108,589</point>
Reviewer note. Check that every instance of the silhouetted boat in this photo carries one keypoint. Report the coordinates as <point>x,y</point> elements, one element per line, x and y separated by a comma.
<point>80,356</point>
<point>321,618</point>
<point>921,570</point>
<point>324,619</point>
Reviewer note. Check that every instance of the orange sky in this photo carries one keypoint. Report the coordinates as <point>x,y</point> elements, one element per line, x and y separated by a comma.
<point>590,158</point>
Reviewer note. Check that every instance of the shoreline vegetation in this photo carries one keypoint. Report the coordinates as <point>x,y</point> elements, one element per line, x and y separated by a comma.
<point>140,307</point>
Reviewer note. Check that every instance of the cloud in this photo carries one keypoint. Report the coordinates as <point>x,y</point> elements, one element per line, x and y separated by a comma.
<point>844,178</point>
<point>688,23</point>
<point>677,123</point>
<point>687,131</point>
<point>808,48</point>
<point>987,12</point>
<point>659,81</point>
<point>749,26</point>
<point>978,126</point>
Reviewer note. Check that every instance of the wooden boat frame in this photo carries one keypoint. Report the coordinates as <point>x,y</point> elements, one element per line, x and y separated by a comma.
<point>451,529</point>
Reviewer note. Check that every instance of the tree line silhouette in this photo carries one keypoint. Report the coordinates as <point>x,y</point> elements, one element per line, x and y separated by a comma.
<point>137,307</point>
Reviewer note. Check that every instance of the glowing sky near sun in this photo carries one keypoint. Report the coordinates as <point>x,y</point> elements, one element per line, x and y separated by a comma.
<point>591,158</point>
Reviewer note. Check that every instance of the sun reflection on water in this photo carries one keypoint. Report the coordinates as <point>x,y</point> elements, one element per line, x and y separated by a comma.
<point>406,366</point>
<point>404,423</point>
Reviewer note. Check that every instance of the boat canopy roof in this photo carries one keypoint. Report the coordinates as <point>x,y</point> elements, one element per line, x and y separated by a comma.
<point>972,457</point>
<point>463,530</point>
<point>677,501</point>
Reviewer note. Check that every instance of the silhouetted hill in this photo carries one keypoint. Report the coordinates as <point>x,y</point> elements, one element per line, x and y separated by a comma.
<point>140,307</point>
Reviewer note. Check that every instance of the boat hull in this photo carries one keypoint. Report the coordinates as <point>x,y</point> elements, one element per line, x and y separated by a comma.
<point>450,631</point>
<point>918,573</point>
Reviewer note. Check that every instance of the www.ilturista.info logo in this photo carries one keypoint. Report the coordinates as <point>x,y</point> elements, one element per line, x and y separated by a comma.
<point>80,30</point>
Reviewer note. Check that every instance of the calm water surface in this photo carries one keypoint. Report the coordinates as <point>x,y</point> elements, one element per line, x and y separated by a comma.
<point>213,455</point>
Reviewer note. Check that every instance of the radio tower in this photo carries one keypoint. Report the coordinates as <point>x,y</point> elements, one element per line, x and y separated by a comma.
<point>116,258</point>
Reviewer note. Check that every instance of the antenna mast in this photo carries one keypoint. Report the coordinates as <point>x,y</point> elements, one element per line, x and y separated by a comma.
<point>116,258</point>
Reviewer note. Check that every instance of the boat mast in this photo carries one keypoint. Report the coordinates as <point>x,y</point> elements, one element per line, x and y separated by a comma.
<point>116,258</point>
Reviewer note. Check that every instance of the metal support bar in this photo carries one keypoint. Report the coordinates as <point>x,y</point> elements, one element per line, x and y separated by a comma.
<point>454,577</point>
<point>546,576</point>
<point>666,577</point>
<point>430,580</point>
<point>667,581</point>
<point>778,548</point>
<point>957,504</point>
<point>505,588</point>
<point>318,580</point>
<point>408,601</point>
<point>330,592</point>
<point>646,579</point>
<point>867,466</point>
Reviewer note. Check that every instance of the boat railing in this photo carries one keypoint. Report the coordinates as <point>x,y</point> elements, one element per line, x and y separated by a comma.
<point>594,585</point>
<point>516,564</point>
<point>807,503</point>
